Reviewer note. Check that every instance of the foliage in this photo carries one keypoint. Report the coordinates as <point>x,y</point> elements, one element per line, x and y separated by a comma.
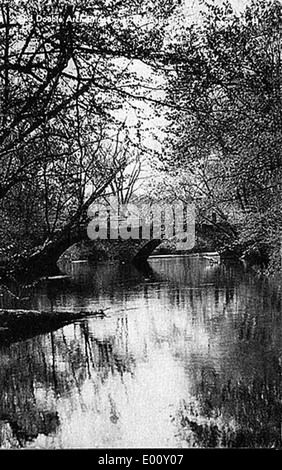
<point>225,123</point>
<point>67,75</point>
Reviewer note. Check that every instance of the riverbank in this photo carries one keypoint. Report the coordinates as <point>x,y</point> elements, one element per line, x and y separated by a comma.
<point>264,260</point>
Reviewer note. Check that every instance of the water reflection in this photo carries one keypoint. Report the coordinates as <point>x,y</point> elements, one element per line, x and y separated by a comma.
<point>190,355</point>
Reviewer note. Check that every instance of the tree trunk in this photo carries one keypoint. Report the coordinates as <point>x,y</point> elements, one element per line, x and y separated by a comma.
<point>19,324</point>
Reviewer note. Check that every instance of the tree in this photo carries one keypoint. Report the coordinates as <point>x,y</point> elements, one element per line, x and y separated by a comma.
<point>65,74</point>
<point>225,124</point>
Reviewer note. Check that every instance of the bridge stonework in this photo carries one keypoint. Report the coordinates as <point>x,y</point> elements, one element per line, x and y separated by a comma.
<point>144,250</point>
<point>130,250</point>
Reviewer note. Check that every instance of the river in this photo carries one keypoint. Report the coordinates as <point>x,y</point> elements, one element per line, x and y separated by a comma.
<point>189,355</point>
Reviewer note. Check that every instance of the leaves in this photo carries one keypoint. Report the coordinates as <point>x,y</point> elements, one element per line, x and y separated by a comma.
<point>65,70</point>
<point>226,92</point>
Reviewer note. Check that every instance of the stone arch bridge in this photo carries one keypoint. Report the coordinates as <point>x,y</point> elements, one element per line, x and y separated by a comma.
<point>47,256</point>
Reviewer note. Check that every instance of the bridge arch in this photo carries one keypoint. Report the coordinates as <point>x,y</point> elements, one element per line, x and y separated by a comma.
<point>144,250</point>
<point>47,256</point>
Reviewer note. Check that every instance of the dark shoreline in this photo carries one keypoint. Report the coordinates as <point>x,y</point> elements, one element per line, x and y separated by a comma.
<point>19,324</point>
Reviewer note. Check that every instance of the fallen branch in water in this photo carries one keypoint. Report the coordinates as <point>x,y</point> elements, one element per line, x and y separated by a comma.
<point>25,322</point>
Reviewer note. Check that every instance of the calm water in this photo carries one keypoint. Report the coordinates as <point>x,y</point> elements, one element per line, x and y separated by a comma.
<point>189,355</point>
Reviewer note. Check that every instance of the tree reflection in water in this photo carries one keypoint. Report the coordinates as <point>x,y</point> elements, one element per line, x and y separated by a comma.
<point>22,369</point>
<point>233,415</point>
<point>34,375</point>
<point>236,399</point>
<point>190,355</point>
